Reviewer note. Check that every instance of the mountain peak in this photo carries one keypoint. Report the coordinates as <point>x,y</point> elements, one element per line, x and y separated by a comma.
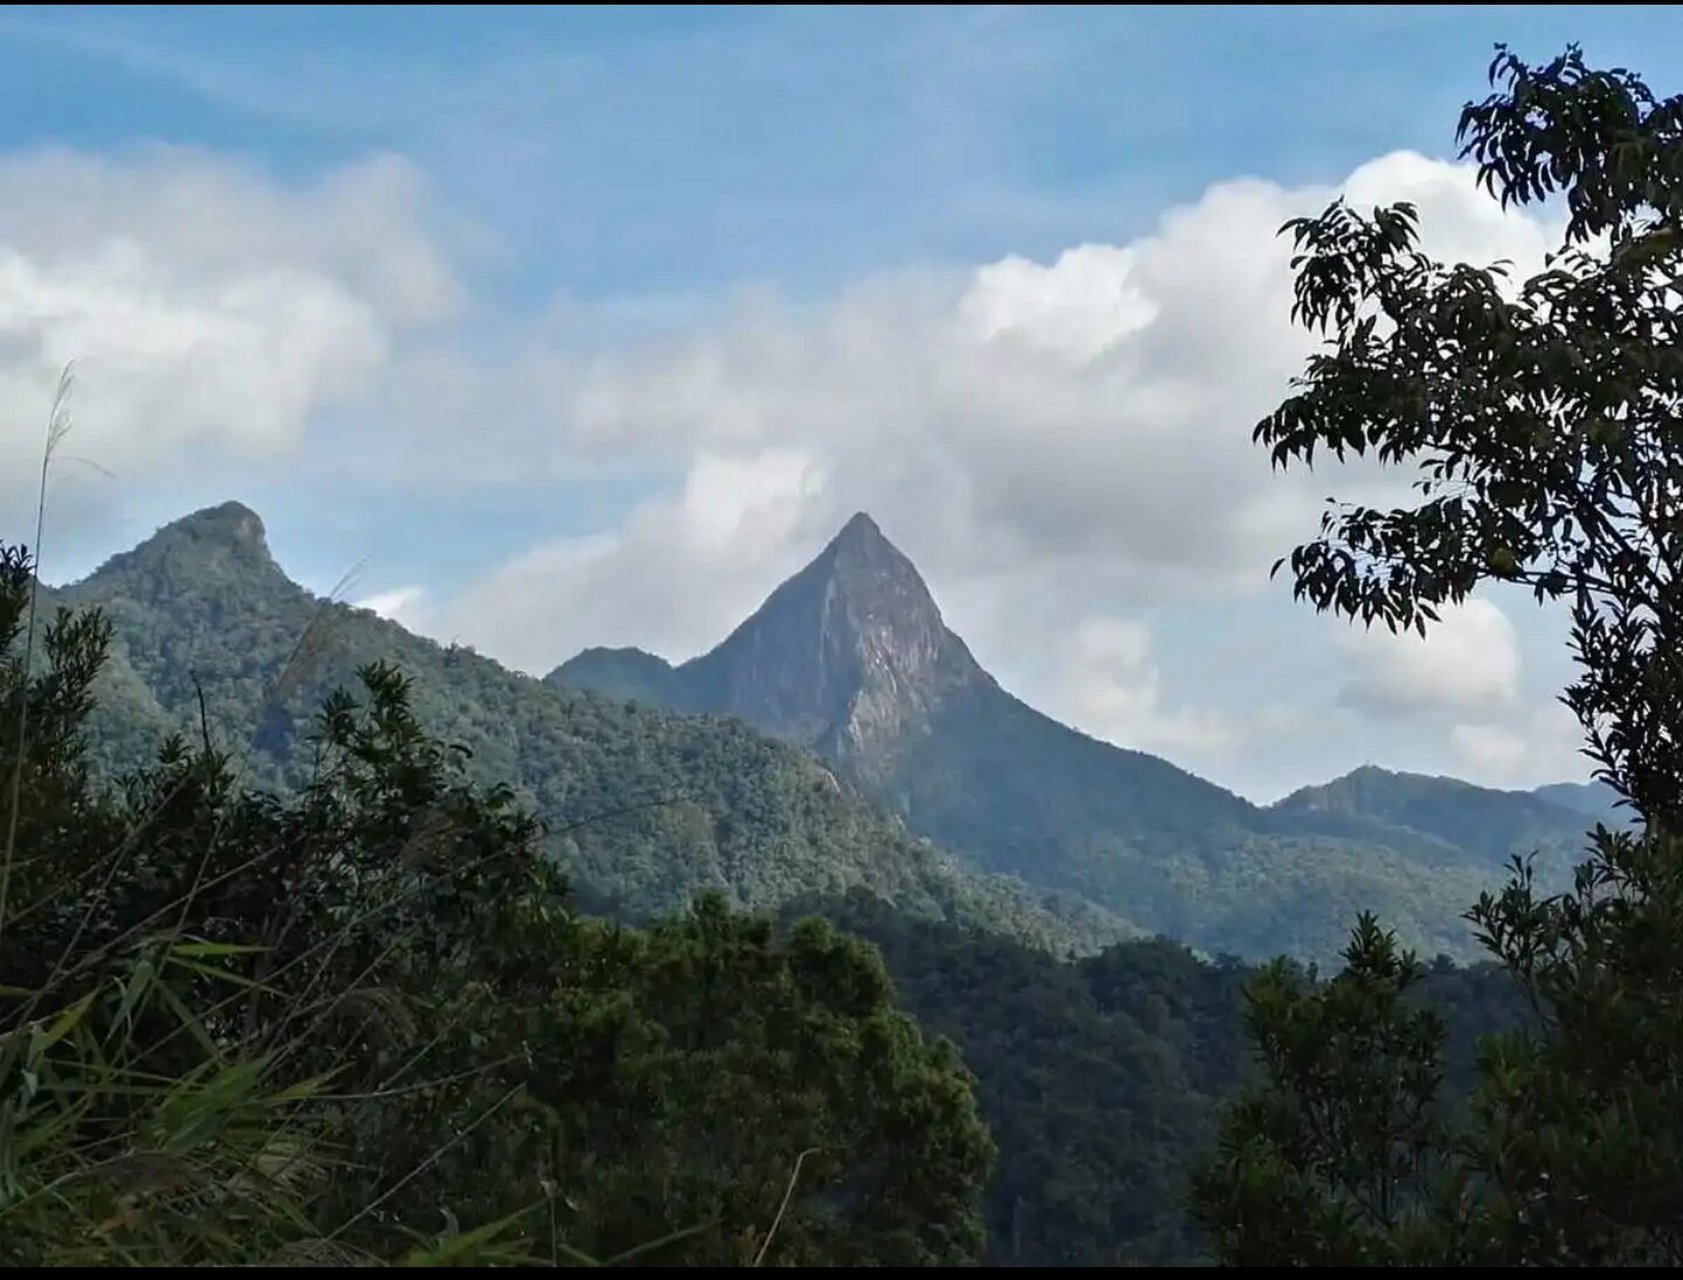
<point>863,562</point>
<point>228,538</point>
<point>231,522</point>
<point>859,531</point>
<point>627,674</point>
<point>229,531</point>
<point>842,655</point>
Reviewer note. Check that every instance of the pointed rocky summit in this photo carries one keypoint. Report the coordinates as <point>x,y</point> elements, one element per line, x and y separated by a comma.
<point>843,655</point>
<point>232,524</point>
<point>227,540</point>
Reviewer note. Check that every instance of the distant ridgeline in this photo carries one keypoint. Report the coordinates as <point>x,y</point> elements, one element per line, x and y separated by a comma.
<point>646,809</point>
<point>758,769</point>
<point>662,781</point>
<point>851,658</point>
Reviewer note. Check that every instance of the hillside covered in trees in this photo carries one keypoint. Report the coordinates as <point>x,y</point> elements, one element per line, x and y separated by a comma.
<point>385,917</point>
<point>1038,831</point>
<point>851,658</point>
<point>322,944</point>
<point>645,810</point>
<point>1100,1078</point>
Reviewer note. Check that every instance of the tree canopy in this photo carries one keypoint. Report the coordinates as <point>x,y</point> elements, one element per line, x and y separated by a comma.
<point>362,1021</point>
<point>1543,415</point>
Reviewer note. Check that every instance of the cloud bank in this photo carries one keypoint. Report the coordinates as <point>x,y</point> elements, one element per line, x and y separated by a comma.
<point>1063,446</point>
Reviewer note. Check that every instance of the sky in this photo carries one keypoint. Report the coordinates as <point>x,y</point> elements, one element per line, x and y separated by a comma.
<point>561,327</point>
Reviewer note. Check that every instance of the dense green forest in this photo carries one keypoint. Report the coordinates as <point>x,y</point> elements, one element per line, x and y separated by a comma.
<point>301,954</point>
<point>1063,841</point>
<point>1542,415</point>
<point>363,1023</point>
<point>1100,1078</point>
<point>644,810</point>
<point>292,971</point>
<point>851,658</point>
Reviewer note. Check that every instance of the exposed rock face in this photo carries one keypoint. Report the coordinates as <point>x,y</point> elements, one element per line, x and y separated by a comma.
<point>216,545</point>
<point>232,529</point>
<point>845,656</point>
<point>851,657</point>
<point>210,637</point>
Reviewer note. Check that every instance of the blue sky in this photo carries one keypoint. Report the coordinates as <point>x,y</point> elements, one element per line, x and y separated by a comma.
<point>501,205</point>
<point>820,143</point>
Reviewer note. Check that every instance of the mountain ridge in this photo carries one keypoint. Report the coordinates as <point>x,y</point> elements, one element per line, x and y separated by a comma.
<point>1058,836</point>
<point>648,808</point>
<point>914,721</point>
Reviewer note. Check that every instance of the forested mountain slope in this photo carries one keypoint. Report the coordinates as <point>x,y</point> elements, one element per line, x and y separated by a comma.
<point>647,809</point>
<point>851,657</point>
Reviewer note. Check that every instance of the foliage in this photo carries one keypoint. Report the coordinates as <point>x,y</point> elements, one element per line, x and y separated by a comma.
<point>1494,827</point>
<point>1336,1161</point>
<point>564,1040</point>
<point>720,1064</point>
<point>1101,1078</point>
<point>1018,794</point>
<point>336,1025</point>
<point>1024,795</point>
<point>1543,415</point>
<point>644,810</point>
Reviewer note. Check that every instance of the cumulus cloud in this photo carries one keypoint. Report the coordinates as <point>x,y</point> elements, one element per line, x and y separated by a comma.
<point>1490,750</point>
<point>674,578</point>
<point>1111,686</point>
<point>1467,663</point>
<point>406,605</point>
<point>210,311</point>
<point>1056,443</point>
<point>1543,744</point>
<point>1076,309</point>
<point>1084,420</point>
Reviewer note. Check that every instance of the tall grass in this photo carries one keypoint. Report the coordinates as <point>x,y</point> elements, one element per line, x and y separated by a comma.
<point>138,1126</point>
<point>180,1087</point>
<point>58,426</point>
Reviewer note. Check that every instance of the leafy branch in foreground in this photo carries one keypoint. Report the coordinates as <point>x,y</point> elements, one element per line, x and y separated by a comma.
<point>1544,417</point>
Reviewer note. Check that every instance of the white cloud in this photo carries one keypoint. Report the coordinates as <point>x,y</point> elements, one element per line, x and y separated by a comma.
<point>1055,443</point>
<point>1468,662</point>
<point>674,578</point>
<point>1063,438</point>
<point>1111,686</point>
<point>1543,744</point>
<point>1489,750</point>
<point>1081,306</point>
<point>210,311</point>
<point>405,605</point>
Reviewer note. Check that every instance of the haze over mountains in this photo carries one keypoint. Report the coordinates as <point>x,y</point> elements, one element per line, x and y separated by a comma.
<point>663,781</point>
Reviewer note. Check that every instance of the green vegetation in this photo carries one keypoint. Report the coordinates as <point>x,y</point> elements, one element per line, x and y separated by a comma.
<point>644,810</point>
<point>626,1085</point>
<point>306,984</point>
<point>1066,842</point>
<point>1024,795</point>
<point>381,961</point>
<point>626,675</point>
<point>1493,827</point>
<point>851,659</point>
<point>361,1022</point>
<point>1593,799</point>
<point>1543,415</point>
<point>1100,1079</point>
